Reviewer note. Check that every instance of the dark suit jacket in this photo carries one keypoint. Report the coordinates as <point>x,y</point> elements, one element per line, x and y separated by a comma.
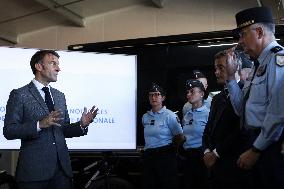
<point>40,151</point>
<point>222,131</point>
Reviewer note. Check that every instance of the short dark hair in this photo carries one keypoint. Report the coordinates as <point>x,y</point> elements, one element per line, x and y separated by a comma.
<point>38,58</point>
<point>220,54</point>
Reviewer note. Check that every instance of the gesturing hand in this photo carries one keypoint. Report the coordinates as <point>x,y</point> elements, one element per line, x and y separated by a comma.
<point>51,119</point>
<point>88,117</point>
<point>232,64</point>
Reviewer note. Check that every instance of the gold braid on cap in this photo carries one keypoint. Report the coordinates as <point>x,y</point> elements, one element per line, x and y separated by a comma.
<point>247,23</point>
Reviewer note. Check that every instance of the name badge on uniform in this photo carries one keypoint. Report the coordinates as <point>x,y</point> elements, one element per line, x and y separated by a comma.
<point>261,70</point>
<point>280,60</point>
<point>152,122</point>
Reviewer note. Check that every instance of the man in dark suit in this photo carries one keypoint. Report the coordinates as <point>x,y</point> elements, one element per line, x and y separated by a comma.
<point>37,114</point>
<point>222,136</point>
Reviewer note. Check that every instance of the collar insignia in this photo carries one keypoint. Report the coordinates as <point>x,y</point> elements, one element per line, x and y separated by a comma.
<point>260,71</point>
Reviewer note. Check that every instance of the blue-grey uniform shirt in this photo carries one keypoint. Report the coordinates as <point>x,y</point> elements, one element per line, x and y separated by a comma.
<point>160,127</point>
<point>265,106</point>
<point>194,122</point>
<point>187,106</point>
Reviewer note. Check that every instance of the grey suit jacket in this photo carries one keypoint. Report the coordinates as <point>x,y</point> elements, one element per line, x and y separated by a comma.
<point>40,150</point>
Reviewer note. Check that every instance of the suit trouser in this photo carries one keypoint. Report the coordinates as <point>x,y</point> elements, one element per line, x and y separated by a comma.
<point>225,174</point>
<point>58,181</point>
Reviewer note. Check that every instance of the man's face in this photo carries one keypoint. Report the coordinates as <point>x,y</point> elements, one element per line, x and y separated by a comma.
<point>220,70</point>
<point>47,71</point>
<point>249,40</point>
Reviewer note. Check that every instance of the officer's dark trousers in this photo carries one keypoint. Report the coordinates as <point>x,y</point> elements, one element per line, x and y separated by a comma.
<point>269,169</point>
<point>195,172</point>
<point>160,168</point>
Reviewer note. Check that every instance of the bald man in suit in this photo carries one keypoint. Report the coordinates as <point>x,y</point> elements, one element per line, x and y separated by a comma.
<point>37,114</point>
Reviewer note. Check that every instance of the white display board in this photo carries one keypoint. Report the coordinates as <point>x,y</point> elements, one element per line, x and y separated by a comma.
<point>105,80</point>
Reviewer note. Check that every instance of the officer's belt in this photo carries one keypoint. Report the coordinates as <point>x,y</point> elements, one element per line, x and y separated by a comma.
<point>193,152</point>
<point>162,149</point>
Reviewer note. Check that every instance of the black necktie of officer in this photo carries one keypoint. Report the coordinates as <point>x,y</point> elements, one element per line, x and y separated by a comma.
<point>48,100</point>
<point>242,120</point>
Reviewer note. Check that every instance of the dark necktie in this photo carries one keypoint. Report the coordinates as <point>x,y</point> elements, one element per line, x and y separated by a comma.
<point>48,99</point>
<point>226,91</point>
<point>242,118</point>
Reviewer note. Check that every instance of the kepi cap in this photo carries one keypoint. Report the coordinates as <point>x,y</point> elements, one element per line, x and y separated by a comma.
<point>157,88</point>
<point>254,15</point>
<point>191,83</point>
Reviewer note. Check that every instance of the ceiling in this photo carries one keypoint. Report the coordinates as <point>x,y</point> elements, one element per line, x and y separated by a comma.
<point>22,16</point>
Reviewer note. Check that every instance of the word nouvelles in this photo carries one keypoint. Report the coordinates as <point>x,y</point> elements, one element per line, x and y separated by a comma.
<point>103,116</point>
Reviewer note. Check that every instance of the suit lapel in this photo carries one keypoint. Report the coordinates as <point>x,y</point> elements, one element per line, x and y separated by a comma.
<point>222,105</point>
<point>37,96</point>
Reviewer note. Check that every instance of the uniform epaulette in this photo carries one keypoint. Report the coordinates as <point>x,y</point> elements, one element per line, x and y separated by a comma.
<point>276,49</point>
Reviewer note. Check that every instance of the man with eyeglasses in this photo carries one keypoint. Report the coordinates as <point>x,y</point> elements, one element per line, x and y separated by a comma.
<point>37,114</point>
<point>260,103</point>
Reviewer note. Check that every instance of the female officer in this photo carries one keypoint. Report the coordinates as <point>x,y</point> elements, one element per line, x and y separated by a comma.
<point>207,101</point>
<point>193,123</point>
<point>162,133</point>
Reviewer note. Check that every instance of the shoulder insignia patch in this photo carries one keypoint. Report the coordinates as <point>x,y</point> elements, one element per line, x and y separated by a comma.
<point>260,71</point>
<point>280,60</point>
<point>276,49</point>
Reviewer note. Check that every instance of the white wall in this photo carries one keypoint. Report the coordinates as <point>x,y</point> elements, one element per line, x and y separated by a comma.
<point>177,17</point>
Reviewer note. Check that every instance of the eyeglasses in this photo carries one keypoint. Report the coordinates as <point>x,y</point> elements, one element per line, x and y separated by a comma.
<point>154,94</point>
<point>245,32</point>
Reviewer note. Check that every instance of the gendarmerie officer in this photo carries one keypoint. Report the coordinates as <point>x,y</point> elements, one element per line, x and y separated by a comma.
<point>207,101</point>
<point>162,134</point>
<point>260,104</point>
<point>193,124</point>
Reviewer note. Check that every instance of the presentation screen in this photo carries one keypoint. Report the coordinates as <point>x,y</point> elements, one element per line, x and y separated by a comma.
<point>106,80</point>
